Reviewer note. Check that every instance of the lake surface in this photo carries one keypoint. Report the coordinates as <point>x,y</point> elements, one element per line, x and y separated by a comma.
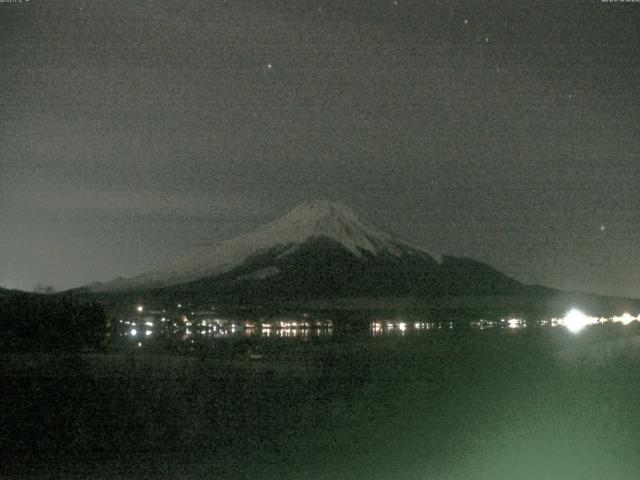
<point>368,400</point>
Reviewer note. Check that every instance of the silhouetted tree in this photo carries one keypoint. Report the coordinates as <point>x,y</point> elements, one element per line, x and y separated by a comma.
<point>46,289</point>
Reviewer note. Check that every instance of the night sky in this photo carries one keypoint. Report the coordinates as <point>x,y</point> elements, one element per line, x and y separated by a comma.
<point>134,131</point>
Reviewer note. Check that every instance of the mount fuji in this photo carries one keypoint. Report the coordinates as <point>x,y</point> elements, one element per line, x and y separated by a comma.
<point>319,249</point>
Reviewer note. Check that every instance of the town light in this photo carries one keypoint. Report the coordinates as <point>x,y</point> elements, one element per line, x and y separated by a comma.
<point>625,319</point>
<point>575,320</point>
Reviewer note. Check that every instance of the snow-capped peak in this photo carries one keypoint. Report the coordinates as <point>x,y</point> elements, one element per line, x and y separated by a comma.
<point>334,220</point>
<point>314,219</point>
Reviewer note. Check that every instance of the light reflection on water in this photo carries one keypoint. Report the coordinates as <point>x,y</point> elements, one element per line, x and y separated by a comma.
<point>206,328</point>
<point>190,329</point>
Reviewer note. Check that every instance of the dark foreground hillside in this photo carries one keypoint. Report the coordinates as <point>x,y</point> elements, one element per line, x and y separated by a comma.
<point>531,404</point>
<point>41,323</point>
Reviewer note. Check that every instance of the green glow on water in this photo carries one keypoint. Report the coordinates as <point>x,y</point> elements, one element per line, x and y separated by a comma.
<point>496,405</point>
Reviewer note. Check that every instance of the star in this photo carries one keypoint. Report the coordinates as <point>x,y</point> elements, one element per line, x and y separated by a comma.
<point>466,21</point>
<point>602,228</point>
<point>269,66</point>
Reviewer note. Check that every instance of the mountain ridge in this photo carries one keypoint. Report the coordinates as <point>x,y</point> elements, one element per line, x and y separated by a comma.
<point>319,249</point>
<point>314,219</point>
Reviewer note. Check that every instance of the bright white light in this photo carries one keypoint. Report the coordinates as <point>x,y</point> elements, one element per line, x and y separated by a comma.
<point>140,308</point>
<point>514,322</point>
<point>133,332</point>
<point>149,324</point>
<point>402,326</point>
<point>575,320</point>
<point>148,332</point>
<point>625,319</point>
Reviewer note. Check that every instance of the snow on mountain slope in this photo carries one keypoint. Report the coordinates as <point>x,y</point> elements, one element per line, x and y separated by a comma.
<point>307,221</point>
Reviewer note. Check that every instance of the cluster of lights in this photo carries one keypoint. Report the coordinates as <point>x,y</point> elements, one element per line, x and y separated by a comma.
<point>379,327</point>
<point>302,324</point>
<point>187,327</point>
<point>625,319</point>
<point>484,324</point>
<point>574,321</point>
